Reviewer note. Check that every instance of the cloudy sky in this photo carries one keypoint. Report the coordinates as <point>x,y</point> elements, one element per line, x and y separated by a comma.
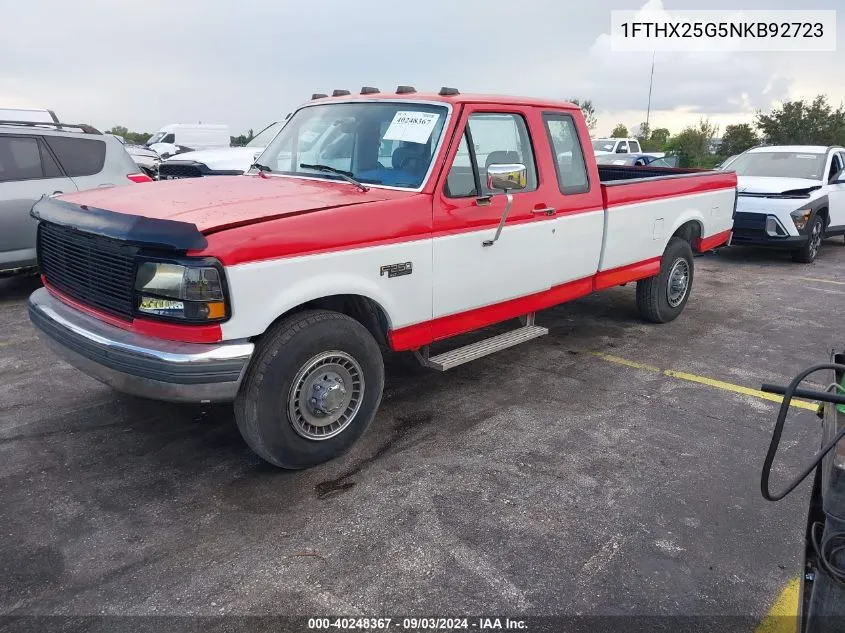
<point>249,62</point>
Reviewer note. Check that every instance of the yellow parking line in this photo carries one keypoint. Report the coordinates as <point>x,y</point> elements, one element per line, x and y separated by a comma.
<point>824,281</point>
<point>710,382</point>
<point>628,363</point>
<point>782,616</point>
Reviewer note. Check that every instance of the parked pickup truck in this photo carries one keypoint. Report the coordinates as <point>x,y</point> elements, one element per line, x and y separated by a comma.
<point>369,223</point>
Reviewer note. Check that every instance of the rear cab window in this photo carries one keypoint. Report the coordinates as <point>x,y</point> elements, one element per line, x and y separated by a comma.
<point>490,138</point>
<point>78,156</point>
<point>634,146</point>
<point>568,158</point>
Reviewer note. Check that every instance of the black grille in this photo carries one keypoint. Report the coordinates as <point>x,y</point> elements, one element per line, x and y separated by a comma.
<point>167,171</point>
<point>96,271</point>
<point>748,225</point>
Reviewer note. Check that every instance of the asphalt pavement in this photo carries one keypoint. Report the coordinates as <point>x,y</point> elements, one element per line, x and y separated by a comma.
<point>570,475</point>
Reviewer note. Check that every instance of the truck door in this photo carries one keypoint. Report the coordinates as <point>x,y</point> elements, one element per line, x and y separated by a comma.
<point>578,202</point>
<point>467,274</point>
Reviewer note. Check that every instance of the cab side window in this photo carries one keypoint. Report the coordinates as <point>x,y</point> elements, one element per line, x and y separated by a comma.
<point>490,138</point>
<point>501,138</point>
<point>170,138</point>
<point>635,147</point>
<point>569,156</point>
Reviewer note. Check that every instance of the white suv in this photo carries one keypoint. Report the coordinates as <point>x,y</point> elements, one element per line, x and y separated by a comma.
<point>789,197</point>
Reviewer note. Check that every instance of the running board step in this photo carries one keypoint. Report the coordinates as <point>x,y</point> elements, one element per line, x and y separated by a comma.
<point>461,355</point>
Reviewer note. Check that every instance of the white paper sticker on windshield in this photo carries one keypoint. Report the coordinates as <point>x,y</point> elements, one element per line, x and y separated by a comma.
<point>413,127</point>
<point>808,156</point>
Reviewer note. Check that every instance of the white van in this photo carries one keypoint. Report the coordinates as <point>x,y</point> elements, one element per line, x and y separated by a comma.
<point>185,137</point>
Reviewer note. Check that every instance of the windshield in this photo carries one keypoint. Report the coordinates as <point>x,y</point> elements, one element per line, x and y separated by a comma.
<point>263,138</point>
<point>603,146</point>
<point>375,142</point>
<point>780,165</point>
<point>155,138</point>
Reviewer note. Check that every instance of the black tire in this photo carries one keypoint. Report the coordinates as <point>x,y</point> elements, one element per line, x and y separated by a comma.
<point>815,234</point>
<point>653,299</point>
<point>263,404</point>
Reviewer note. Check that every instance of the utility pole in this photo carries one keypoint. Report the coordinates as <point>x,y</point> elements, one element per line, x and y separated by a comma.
<point>650,83</point>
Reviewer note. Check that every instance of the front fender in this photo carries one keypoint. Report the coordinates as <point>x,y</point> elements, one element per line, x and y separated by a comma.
<point>260,292</point>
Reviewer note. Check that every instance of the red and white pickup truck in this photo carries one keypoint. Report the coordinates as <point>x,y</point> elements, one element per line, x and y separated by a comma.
<point>376,221</point>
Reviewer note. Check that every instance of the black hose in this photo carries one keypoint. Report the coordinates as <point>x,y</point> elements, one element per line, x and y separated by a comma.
<point>778,430</point>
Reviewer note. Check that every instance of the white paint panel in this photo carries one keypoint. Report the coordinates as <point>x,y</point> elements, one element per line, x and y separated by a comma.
<point>261,291</point>
<point>577,246</point>
<point>630,228</point>
<point>468,275</point>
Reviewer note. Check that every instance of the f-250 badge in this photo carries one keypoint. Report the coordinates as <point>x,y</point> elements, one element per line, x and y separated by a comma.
<point>397,270</point>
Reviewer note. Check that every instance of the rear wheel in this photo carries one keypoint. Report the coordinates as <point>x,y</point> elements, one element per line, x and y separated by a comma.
<point>807,253</point>
<point>312,389</point>
<point>662,298</point>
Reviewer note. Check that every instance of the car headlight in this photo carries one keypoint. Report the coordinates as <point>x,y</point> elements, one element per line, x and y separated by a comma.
<point>180,291</point>
<point>800,217</point>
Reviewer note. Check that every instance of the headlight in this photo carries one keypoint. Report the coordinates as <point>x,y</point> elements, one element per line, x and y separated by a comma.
<point>190,293</point>
<point>800,217</point>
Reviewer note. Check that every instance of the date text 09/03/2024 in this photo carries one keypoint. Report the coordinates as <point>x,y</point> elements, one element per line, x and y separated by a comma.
<point>417,624</point>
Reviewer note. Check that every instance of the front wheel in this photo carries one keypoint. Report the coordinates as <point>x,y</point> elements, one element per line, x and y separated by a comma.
<point>662,298</point>
<point>311,390</point>
<point>807,253</point>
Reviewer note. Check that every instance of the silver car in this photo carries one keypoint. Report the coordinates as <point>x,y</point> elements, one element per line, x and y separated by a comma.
<point>42,158</point>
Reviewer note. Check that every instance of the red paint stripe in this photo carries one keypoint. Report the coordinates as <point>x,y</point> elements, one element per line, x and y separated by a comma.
<point>625,274</point>
<point>706,243</point>
<point>630,193</point>
<point>416,336</point>
<point>211,333</point>
<point>420,334</point>
<point>402,220</point>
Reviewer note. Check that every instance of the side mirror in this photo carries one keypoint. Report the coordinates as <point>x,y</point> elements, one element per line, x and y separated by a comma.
<point>507,176</point>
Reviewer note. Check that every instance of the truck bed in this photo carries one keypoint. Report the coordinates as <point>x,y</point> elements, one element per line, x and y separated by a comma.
<point>618,174</point>
<point>623,184</point>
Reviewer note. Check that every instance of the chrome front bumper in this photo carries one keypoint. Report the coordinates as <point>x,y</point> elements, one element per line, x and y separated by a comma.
<point>140,365</point>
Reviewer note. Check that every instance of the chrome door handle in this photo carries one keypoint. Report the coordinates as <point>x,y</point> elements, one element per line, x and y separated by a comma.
<point>545,211</point>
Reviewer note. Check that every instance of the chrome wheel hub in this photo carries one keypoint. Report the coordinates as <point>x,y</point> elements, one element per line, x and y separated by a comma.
<point>678,283</point>
<point>325,395</point>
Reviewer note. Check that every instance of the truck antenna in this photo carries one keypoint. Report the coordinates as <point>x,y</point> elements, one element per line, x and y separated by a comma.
<point>650,83</point>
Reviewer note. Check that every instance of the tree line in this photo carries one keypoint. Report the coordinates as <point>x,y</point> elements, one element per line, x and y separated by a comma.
<point>798,122</point>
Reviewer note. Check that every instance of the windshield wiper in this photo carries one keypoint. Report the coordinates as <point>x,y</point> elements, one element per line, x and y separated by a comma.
<point>260,167</point>
<point>346,175</point>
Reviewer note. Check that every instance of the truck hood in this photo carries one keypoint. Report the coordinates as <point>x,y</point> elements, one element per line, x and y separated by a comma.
<point>775,186</point>
<point>214,204</point>
<point>225,159</point>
